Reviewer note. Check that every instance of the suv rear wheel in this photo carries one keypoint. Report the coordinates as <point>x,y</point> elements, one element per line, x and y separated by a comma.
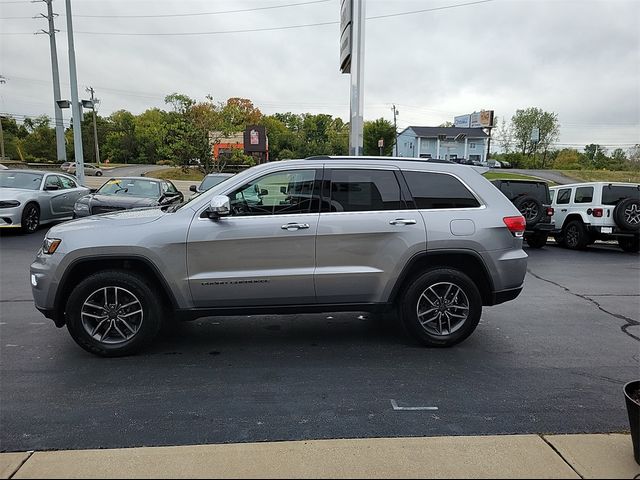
<point>536,240</point>
<point>575,235</point>
<point>441,307</point>
<point>113,313</point>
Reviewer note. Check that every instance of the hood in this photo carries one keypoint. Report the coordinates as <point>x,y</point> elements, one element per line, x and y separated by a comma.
<point>124,218</point>
<point>17,193</point>
<point>119,201</point>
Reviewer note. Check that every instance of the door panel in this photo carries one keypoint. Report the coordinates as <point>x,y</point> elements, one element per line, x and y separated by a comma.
<point>360,253</point>
<point>56,199</point>
<point>365,236</point>
<point>264,252</point>
<point>238,261</point>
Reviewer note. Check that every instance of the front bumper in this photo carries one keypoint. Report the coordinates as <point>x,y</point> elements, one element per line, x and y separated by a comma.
<point>11,217</point>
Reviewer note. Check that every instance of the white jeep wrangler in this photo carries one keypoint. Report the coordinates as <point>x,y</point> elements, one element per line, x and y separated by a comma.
<point>586,212</point>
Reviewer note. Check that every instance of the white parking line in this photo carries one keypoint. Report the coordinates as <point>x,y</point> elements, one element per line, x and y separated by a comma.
<point>395,406</point>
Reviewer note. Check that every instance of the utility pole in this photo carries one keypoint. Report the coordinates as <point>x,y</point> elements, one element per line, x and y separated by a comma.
<point>76,107</point>
<point>2,80</point>
<point>95,128</point>
<point>60,143</point>
<point>395,129</point>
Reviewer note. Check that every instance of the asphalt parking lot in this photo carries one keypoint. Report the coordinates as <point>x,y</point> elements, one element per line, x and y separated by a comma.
<point>552,361</point>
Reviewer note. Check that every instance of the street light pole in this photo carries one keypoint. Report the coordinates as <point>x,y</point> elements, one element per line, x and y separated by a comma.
<point>75,102</point>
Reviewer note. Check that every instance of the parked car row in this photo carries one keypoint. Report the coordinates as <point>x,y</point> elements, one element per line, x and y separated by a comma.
<point>579,214</point>
<point>30,198</point>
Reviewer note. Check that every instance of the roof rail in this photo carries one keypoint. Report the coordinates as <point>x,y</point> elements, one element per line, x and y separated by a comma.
<point>382,159</point>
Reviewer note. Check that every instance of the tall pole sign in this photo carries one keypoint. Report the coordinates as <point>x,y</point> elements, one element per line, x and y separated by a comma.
<point>352,14</point>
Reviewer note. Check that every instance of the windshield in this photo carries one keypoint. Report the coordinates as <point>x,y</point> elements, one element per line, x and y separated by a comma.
<point>131,187</point>
<point>23,180</point>
<point>211,181</point>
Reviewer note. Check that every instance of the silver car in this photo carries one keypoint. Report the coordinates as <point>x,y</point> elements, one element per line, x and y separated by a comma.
<point>89,169</point>
<point>31,198</point>
<point>433,242</point>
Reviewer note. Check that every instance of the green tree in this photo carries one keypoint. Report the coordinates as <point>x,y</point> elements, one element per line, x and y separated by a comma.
<point>523,123</point>
<point>40,143</point>
<point>376,130</point>
<point>150,129</point>
<point>103,127</point>
<point>121,145</point>
<point>567,159</point>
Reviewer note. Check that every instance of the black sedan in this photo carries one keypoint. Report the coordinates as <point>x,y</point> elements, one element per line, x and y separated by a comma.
<point>125,193</point>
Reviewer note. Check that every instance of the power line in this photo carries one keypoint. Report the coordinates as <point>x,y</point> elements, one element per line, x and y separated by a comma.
<point>266,29</point>
<point>221,12</point>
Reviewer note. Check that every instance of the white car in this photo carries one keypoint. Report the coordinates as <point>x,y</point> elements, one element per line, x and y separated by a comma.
<point>586,212</point>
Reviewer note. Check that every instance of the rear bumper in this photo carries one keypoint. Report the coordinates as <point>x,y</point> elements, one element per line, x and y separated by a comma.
<point>540,227</point>
<point>505,295</point>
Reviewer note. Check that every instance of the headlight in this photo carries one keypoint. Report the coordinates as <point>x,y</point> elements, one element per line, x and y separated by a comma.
<point>9,203</point>
<point>81,207</point>
<point>50,245</point>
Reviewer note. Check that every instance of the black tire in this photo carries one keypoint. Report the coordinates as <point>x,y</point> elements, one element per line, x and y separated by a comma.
<point>530,208</point>
<point>98,174</point>
<point>627,214</point>
<point>575,235</point>
<point>413,300</point>
<point>150,320</point>
<point>30,219</point>
<point>559,240</point>
<point>536,240</point>
<point>629,244</point>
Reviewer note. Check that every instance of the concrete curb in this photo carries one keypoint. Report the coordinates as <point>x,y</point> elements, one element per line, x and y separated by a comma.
<point>503,456</point>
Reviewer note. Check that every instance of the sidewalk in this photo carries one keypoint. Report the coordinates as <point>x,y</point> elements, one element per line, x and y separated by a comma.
<point>504,456</point>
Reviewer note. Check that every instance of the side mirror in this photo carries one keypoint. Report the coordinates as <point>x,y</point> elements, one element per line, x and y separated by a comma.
<point>51,187</point>
<point>219,207</point>
<point>193,188</point>
<point>283,190</point>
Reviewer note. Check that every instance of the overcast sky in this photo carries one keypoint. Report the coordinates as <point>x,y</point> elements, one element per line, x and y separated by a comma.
<point>577,58</point>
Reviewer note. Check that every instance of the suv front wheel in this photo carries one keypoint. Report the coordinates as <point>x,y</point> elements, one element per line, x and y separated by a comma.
<point>441,307</point>
<point>113,313</point>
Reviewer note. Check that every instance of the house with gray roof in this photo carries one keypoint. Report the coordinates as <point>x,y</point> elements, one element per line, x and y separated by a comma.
<point>448,143</point>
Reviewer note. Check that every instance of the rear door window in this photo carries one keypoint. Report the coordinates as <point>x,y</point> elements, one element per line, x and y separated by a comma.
<point>540,191</point>
<point>438,191</point>
<point>584,195</point>
<point>365,190</point>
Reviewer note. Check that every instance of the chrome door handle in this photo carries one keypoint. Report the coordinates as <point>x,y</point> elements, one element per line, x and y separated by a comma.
<point>563,210</point>
<point>403,221</point>
<point>294,226</point>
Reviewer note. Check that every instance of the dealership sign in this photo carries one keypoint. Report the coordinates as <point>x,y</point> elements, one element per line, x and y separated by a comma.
<point>482,119</point>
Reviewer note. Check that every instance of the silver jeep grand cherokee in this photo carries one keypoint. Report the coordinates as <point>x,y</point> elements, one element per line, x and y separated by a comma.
<point>433,242</point>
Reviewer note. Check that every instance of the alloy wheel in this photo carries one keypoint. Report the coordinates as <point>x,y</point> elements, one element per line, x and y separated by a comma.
<point>529,211</point>
<point>32,219</point>
<point>442,308</point>
<point>632,214</point>
<point>112,315</point>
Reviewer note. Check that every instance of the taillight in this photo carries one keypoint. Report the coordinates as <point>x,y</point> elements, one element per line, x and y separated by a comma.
<point>550,211</point>
<point>516,225</point>
<point>598,212</point>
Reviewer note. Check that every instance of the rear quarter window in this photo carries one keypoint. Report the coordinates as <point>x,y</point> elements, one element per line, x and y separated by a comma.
<point>439,190</point>
<point>612,194</point>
